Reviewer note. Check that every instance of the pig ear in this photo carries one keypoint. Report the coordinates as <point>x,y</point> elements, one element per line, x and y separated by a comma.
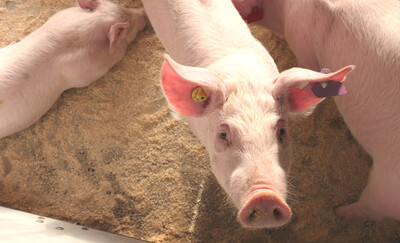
<point>301,88</point>
<point>117,30</point>
<point>88,4</point>
<point>190,90</point>
<point>250,10</point>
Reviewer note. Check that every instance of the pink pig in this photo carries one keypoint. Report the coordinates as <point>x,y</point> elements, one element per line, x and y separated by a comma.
<point>366,33</point>
<point>73,48</point>
<point>227,87</point>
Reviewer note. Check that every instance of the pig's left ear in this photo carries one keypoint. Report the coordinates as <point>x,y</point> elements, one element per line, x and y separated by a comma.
<point>117,31</point>
<point>88,4</point>
<point>192,91</point>
<point>300,88</point>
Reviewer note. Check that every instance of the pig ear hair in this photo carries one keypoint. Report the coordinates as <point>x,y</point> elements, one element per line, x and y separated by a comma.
<point>300,89</point>
<point>190,90</point>
<point>116,30</point>
<point>88,4</point>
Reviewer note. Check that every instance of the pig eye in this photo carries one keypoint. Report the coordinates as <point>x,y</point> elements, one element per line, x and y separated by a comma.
<point>224,133</point>
<point>223,136</point>
<point>281,131</point>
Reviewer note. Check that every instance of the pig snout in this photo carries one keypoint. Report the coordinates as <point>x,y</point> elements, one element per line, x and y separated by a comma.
<point>264,208</point>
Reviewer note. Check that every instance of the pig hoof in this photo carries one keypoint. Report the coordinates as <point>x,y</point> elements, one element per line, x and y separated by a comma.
<point>264,209</point>
<point>357,211</point>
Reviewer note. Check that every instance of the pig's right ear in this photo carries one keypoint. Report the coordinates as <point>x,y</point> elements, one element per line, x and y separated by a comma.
<point>117,31</point>
<point>191,91</point>
<point>315,87</point>
<point>88,4</point>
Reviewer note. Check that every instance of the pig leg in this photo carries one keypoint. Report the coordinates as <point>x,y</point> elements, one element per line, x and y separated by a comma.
<point>380,197</point>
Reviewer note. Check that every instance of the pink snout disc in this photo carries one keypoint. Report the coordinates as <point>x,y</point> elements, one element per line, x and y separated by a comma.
<point>264,209</point>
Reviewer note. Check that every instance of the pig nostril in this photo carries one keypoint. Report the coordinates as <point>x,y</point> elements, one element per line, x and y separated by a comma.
<point>277,214</point>
<point>253,214</point>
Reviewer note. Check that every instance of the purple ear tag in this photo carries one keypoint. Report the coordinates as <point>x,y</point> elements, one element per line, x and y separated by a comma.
<point>328,88</point>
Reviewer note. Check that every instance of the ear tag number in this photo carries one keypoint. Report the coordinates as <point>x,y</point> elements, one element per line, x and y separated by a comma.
<point>199,95</point>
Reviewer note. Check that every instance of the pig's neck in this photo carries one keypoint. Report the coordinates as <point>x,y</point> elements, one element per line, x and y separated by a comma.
<point>197,33</point>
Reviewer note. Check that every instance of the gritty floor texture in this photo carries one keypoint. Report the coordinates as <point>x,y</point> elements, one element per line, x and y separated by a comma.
<point>111,156</point>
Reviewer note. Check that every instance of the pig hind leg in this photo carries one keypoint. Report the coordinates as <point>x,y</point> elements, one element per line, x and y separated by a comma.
<point>380,198</point>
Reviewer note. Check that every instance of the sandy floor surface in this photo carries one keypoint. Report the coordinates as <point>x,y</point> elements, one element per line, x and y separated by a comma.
<point>111,156</point>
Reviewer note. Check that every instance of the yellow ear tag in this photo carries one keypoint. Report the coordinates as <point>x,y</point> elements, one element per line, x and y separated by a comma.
<point>199,95</point>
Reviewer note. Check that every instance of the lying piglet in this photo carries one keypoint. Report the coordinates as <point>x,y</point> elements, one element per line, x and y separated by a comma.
<point>324,33</point>
<point>227,87</point>
<point>73,48</point>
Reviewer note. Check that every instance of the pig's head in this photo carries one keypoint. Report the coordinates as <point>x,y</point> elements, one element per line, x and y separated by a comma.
<point>91,38</point>
<point>239,111</point>
<point>121,24</point>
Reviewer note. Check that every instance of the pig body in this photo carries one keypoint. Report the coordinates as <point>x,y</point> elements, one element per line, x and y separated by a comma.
<point>73,48</point>
<point>227,87</point>
<point>324,33</point>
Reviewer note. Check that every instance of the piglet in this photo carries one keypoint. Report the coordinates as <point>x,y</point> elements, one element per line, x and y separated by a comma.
<point>226,86</point>
<point>73,48</point>
<point>324,33</point>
